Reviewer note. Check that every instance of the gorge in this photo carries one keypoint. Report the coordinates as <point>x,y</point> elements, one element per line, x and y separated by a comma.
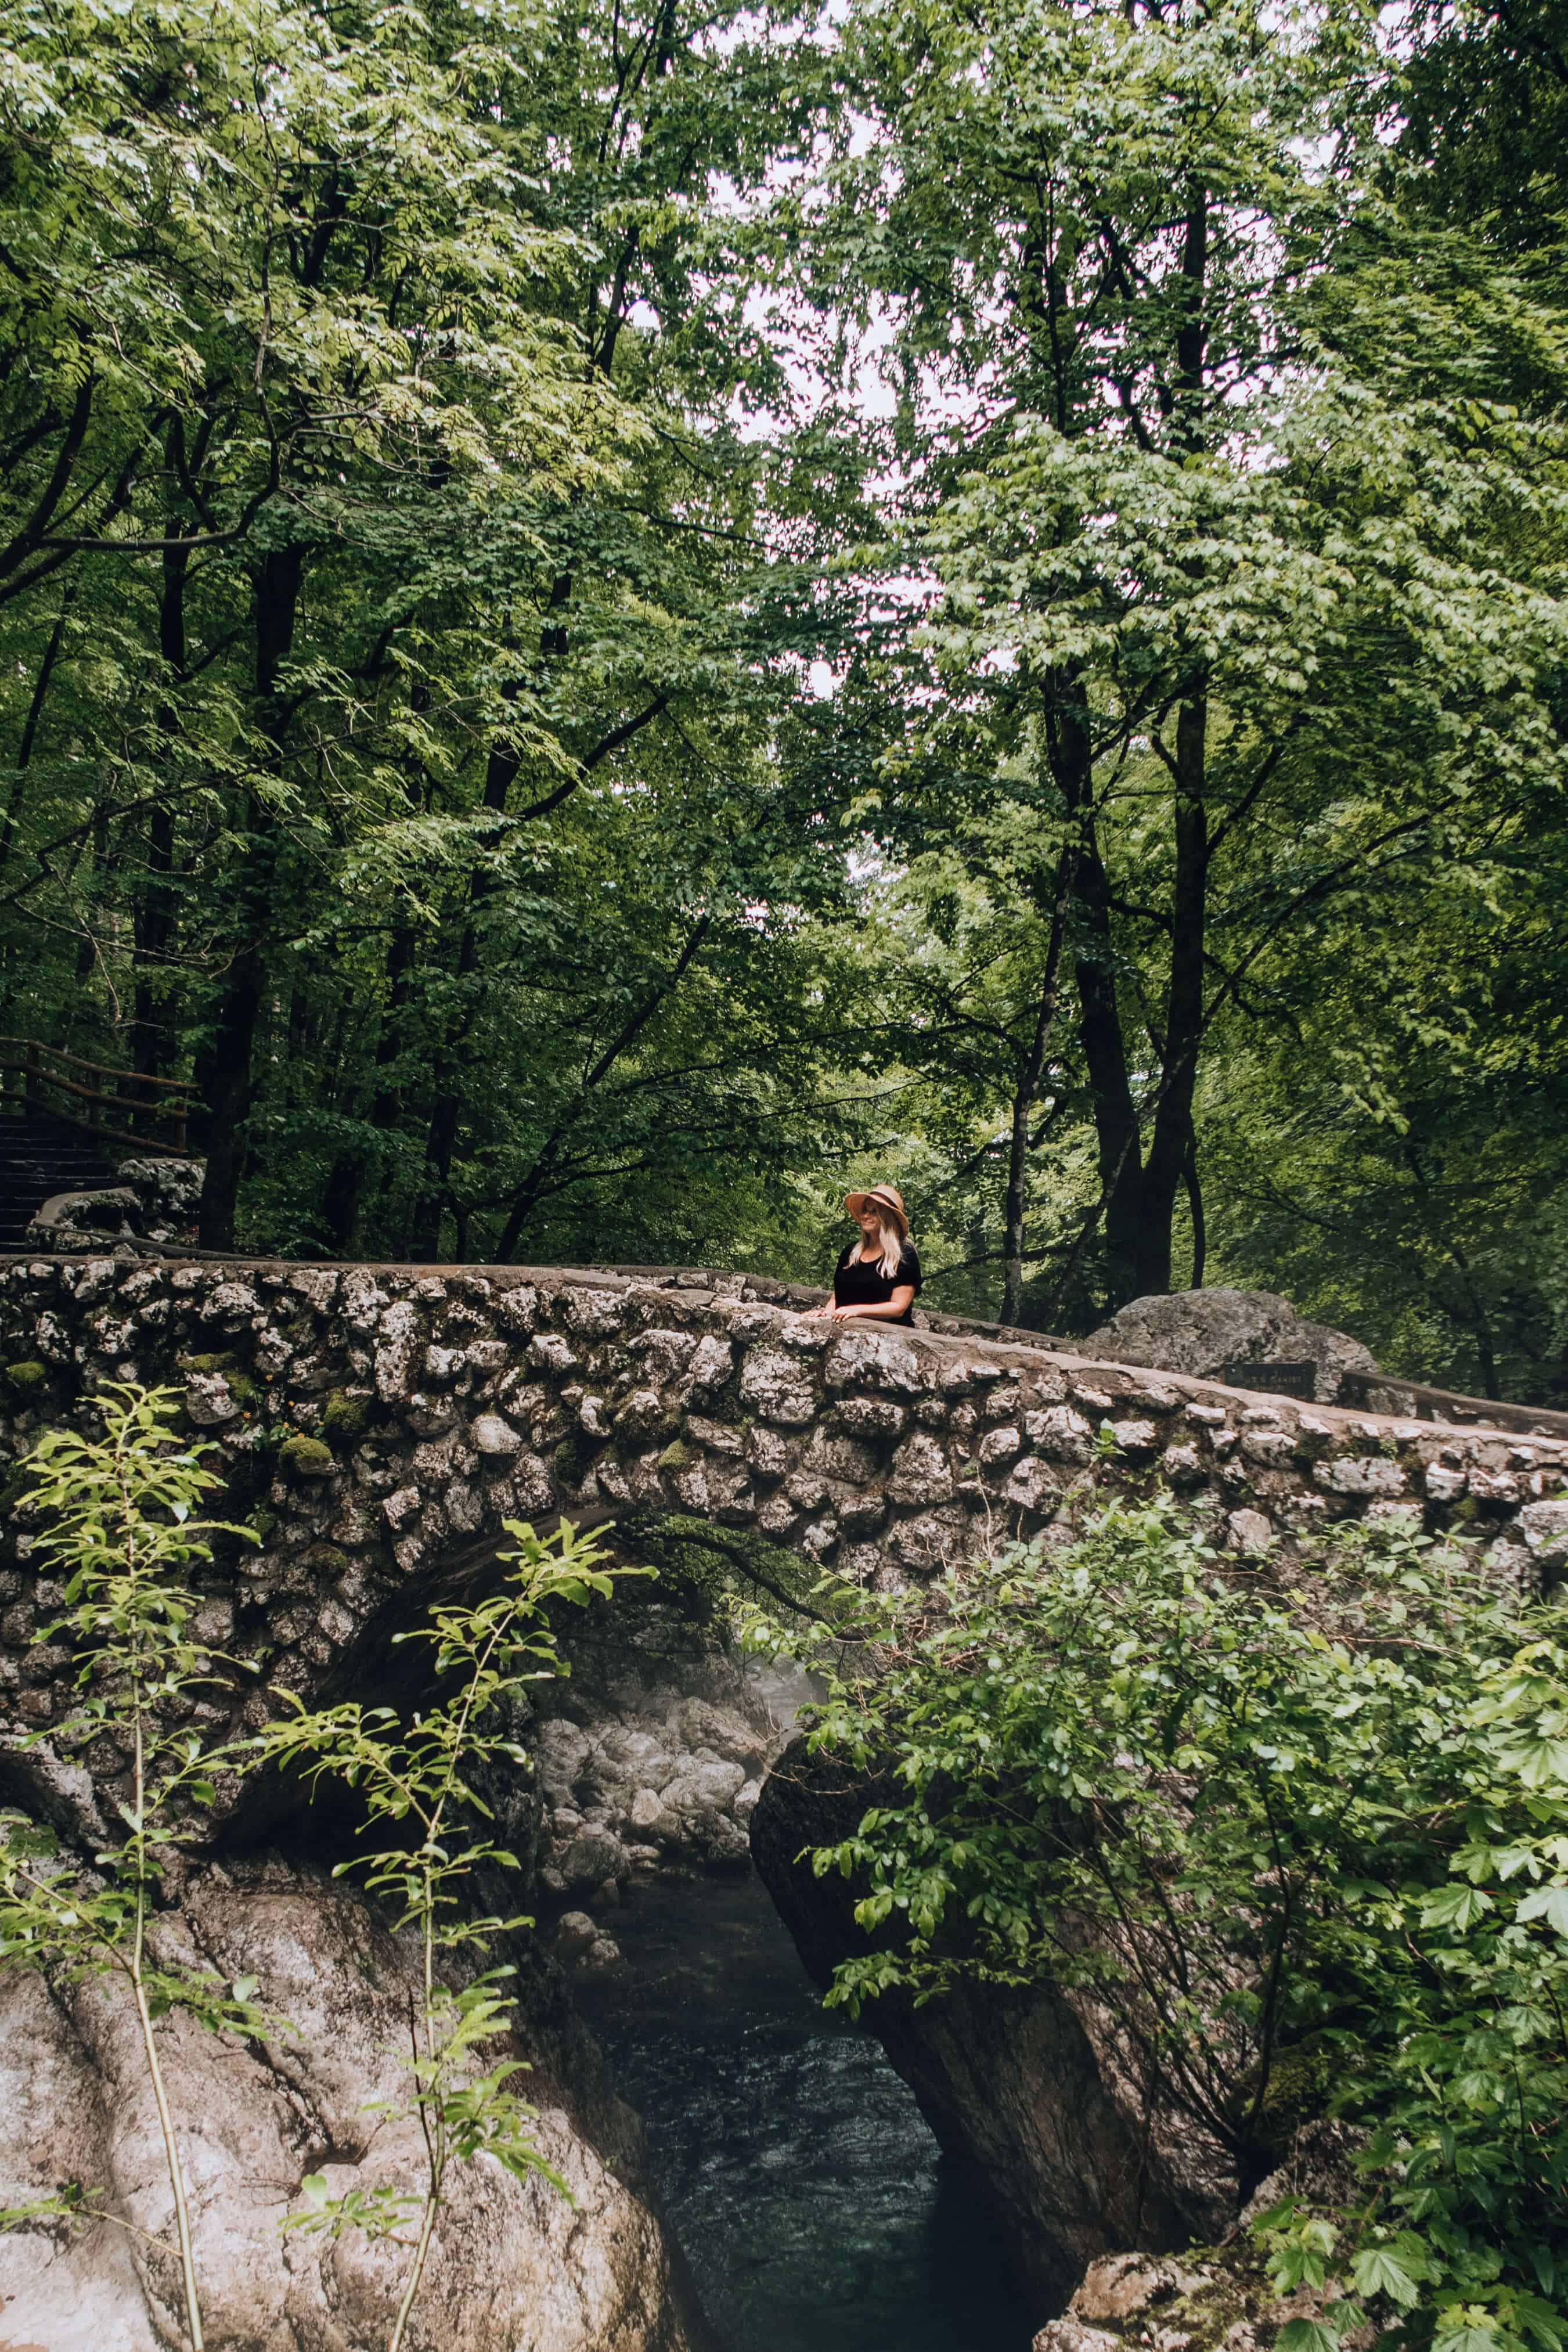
<point>376,1425</point>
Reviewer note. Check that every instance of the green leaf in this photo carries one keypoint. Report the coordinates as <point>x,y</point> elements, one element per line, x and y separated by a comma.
<point>1548,1902</point>
<point>1378,2270</point>
<point>1307,2335</point>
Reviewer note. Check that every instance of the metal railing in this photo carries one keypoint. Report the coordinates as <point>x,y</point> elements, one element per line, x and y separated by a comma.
<point>156,1111</point>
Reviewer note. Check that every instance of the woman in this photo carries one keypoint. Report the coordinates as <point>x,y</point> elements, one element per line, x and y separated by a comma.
<point>877,1278</point>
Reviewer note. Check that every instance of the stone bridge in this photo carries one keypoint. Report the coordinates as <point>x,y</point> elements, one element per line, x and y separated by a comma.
<point>377,1425</point>
<point>375,1420</point>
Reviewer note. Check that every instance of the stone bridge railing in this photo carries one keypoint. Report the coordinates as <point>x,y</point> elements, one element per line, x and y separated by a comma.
<point>380,1419</point>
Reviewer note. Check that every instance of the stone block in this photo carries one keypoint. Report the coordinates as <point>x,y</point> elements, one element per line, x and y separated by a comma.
<point>551,1354</point>
<point>1544,1526</point>
<point>592,1313</point>
<point>772,1385</point>
<point>1249,1532</point>
<point>1136,1438</point>
<point>921,1472</point>
<point>1033,1486</point>
<point>515,1307</point>
<point>496,1437</point>
<point>767,1451</point>
<point>712,1363</point>
<point>1361,1475</point>
<point>1059,1434</point>
<point>1267,1444</point>
<point>869,1417</point>
<point>1183,1466</point>
<point>1000,1446</point>
<point>876,1361</point>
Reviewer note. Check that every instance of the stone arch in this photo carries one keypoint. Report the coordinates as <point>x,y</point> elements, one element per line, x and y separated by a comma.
<point>376,1419</point>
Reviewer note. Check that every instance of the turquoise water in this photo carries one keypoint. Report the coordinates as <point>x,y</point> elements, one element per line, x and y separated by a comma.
<point>813,2205</point>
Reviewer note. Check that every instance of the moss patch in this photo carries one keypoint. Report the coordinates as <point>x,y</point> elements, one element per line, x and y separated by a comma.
<point>345,1417</point>
<point>677,1456</point>
<point>325,1559</point>
<point>305,1457</point>
<point>27,1378</point>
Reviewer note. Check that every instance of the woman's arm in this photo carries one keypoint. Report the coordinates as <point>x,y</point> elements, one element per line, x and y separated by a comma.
<point>886,1310</point>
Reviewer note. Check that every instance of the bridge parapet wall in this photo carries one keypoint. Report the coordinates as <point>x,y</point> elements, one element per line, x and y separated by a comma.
<point>380,1419</point>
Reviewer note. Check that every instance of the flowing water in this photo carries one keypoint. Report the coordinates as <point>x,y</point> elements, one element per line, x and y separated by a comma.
<point>814,2207</point>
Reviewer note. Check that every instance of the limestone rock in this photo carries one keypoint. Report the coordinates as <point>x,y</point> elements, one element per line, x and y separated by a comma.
<point>774,1385</point>
<point>1201,1331</point>
<point>921,1472</point>
<point>512,2263</point>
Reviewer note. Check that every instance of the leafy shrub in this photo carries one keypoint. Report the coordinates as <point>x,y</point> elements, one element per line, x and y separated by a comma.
<point>1287,1834</point>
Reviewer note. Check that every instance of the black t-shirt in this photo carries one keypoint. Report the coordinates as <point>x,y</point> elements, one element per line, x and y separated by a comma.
<point>856,1283</point>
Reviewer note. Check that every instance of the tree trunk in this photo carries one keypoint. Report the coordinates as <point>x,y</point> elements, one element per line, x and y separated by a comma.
<point>345,1184</point>
<point>1099,1017</point>
<point>1170,1142</point>
<point>1195,1209</point>
<point>1027,1094</point>
<point>440,1139</point>
<point>230,1084</point>
<point>30,730</point>
<point>1138,1197</point>
<point>152,1047</point>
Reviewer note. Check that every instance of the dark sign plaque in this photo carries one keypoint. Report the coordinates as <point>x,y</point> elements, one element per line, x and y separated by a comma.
<point>1285,1379</point>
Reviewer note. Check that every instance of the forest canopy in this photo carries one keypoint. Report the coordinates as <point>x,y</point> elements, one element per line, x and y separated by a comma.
<point>612,618</point>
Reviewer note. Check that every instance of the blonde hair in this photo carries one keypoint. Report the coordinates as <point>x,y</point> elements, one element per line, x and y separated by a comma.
<point>893,1243</point>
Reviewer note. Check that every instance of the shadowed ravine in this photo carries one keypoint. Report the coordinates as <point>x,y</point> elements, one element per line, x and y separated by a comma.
<point>792,2163</point>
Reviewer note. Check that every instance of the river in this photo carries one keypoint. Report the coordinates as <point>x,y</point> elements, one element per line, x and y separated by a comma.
<point>814,2207</point>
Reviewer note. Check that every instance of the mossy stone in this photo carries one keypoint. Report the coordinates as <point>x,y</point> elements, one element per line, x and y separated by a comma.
<point>677,1456</point>
<point>346,1417</point>
<point>1302,2080</point>
<point>25,1379</point>
<point>327,1559</point>
<point>305,1457</point>
<point>209,1364</point>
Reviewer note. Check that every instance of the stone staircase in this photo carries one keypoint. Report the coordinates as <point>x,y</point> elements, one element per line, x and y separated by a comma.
<point>40,1156</point>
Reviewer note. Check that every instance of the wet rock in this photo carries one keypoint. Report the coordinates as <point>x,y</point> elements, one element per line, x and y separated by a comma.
<point>591,1855</point>
<point>575,1932</point>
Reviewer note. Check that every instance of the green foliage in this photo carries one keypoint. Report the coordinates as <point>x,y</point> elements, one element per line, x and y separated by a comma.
<point>117,1515</point>
<point>430,465</point>
<point>1250,1818</point>
<point>419,1786</point>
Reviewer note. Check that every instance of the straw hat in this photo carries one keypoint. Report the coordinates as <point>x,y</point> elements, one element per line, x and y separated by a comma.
<point>881,1196</point>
